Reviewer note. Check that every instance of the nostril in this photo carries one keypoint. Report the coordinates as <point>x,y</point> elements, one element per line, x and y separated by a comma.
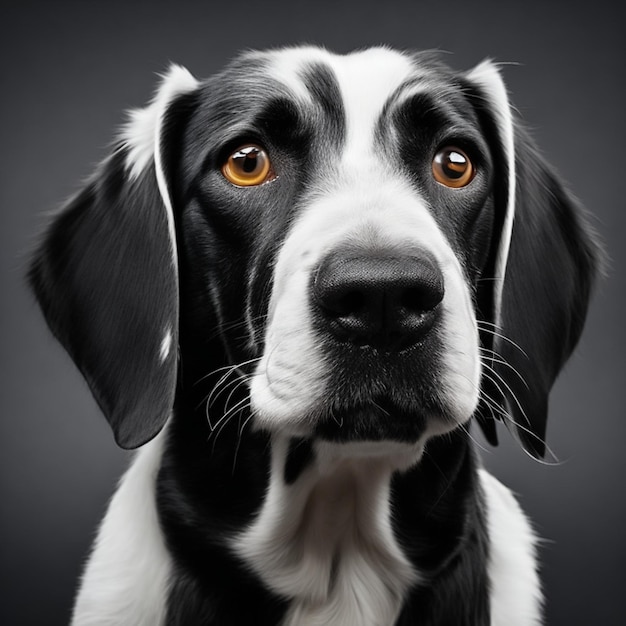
<point>411,300</point>
<point>348,303</point>
<point>423,297</point>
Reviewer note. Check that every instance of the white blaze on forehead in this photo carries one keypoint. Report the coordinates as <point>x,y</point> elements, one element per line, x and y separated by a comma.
<point>366,80</point>
<point>286,67</point>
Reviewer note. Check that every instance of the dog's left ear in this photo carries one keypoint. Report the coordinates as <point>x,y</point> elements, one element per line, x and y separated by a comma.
<point>534,291</point>
<point>106,276</point>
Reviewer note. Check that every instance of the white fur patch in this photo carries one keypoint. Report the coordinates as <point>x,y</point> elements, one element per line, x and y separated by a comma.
<point>366,80</point>
<point>166,345</point>
<point>326,542</point>
<point>515,589</point>
<point>126,578</point>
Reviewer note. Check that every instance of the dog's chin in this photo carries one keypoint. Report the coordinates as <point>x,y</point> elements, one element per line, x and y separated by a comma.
<point>372,422</point>
<point>380,420</point>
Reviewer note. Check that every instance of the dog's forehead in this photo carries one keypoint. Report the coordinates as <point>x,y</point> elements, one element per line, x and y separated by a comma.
<point>365,81</point>
<point>365,78</point>
<point>358,87</point>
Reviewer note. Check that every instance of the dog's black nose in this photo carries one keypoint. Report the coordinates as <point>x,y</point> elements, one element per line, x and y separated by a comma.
<point>387,302</point>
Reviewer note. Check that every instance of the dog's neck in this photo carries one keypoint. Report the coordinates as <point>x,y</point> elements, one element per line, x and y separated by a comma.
<point>324,538</point>
<point>314,529</point>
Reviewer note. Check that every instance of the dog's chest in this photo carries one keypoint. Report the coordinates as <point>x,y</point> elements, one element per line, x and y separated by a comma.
<point>326,543</point>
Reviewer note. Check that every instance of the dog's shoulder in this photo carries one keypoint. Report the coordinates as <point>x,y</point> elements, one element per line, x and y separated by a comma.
<point>129,569</point>
<point>514,581</point>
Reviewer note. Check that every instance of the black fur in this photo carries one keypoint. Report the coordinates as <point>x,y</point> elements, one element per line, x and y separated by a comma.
<point>105,280</point>
<point>300,455</point>
<point>208,488</point>
<point>439,522</point>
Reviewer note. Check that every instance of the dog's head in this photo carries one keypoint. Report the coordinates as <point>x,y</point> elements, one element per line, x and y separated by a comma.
<point>372,239</point>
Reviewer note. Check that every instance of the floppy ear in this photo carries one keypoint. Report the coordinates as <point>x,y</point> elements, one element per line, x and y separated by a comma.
<point>544,259</point>
<point>105,274</point>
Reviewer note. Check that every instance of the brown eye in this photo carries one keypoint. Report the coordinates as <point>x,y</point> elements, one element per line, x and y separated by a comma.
<point>453,168</point>
<point>248,166</point>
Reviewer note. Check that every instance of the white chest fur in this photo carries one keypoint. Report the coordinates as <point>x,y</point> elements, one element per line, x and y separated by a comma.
<point>326,542</point>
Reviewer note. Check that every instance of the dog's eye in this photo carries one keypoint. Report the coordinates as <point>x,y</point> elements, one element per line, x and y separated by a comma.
<point>453,168</point>
<point>248,166</point>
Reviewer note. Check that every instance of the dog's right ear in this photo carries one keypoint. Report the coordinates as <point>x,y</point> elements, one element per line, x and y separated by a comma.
<point>544,261</point>
<point>106,272</point>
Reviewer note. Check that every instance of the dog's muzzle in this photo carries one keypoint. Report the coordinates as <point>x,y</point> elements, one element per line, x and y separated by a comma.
<point>387,302</point>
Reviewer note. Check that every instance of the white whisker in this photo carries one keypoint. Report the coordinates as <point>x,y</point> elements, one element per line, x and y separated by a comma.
<point>230,412</point>
<point>241,429</point>
<point>497,358</point>
<point>508,387</point>
<point>503,337</point>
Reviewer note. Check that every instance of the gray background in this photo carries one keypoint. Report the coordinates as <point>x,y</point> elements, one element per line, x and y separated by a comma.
<point>68,72</point>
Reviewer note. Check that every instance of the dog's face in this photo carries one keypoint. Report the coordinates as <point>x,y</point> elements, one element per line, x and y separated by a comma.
<point>368,239</point>
<point>368,331</point>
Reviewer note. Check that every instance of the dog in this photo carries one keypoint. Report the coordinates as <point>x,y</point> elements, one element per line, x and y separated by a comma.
<point>292,286</point>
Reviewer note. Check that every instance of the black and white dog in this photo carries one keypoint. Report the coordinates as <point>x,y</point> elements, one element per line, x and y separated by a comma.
<point>293,284</point>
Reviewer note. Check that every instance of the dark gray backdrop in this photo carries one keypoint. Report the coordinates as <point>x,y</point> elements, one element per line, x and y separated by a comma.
<point>70,69</point>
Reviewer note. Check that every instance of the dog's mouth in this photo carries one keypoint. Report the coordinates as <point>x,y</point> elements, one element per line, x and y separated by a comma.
<point>376,419</point>
<point>376,397</point>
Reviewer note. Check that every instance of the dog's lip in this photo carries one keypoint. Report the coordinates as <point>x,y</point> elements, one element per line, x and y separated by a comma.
<point>374,419</point>
<point>391,346</point>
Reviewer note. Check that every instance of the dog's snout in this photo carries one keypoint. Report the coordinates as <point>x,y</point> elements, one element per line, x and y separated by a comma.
<point>387,302</point>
